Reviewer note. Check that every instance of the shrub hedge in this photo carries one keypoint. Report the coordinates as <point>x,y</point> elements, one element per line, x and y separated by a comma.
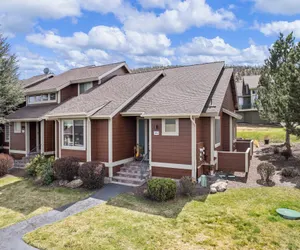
<point>92,174</point>
<point>6,162</point>
<point>66,168</point>
<point>161,189</point>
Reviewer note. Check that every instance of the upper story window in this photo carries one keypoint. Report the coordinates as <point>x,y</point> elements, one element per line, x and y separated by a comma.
<point>217,131</point>
<point>17,127</point>
<point>83,87</point>
<point>73,134</point>
<point>170,127</point>
<point>7,132</point>
<point>44,98</point>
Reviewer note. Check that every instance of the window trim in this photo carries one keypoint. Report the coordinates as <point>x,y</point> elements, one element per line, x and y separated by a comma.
<point>7,128</point>
<point>79,84</point>
<point>219,143</point>
<point>41,95</point>
<point>16,130</point>
<point>84,135</point>
<point>164,133</point>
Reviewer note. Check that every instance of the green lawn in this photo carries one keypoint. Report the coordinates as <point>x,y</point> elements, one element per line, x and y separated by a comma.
<point>259,133</point>
<point>20,199</point>
<point>236,219</point>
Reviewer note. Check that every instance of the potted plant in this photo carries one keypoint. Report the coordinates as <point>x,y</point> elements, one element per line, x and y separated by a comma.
<point>267,140</point>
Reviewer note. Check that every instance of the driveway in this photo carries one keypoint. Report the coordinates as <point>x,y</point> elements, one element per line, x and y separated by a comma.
<point>11,237</point>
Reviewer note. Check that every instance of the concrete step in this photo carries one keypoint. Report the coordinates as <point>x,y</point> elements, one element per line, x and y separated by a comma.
<point>128,180</point>
<point>133,175</point>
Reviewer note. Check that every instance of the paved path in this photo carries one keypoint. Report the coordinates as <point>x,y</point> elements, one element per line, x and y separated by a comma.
<point>11,237</point>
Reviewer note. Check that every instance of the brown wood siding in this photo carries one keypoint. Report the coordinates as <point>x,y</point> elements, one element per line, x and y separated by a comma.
<point>203,135</point>
<point>242,146</point>
<point>170,172</point>
<point>68,92</point>
<point>124,137</point>
<point>49,136</point>
<point>99,140</point>
<point>57,138</point>
<point>231,162</point>
<point>172,149</point>
<point>17,141</point>
<point>80,154</point>
<point>32,139</point>
<point>228,102</point>
<point>225,132</point>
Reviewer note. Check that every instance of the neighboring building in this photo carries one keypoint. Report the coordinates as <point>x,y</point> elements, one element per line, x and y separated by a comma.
<point>247,96</point>
<point>26,83</point>
<point>183,119</point>
<point>30,132</point>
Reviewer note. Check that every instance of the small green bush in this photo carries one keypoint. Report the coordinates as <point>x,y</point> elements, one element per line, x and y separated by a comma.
<point>36,162</point>
<point>92,174</point>
<point>187,185</point>
<point>66,168</point>
<point>161,189</point>
<point>266,171</point>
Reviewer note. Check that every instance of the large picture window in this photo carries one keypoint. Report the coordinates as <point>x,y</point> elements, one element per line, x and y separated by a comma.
<point>7,132</point>
<point>73,134</point>
<point>170,127</point>
<point>217,132</point>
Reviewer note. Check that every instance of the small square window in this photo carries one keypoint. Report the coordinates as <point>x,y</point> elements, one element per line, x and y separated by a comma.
<point>17,127</point>
<point>38,98</point>
<point>31,99</point>
<point>52,97</point>
<point>45,98</point>
<point>83,87</point>
<point>170,127</point>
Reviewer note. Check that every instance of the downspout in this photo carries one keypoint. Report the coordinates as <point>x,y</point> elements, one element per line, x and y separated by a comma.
<point>194,153</point>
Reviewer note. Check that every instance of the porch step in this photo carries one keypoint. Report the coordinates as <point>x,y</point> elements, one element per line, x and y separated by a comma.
<point>128,180</point>
<point>133,174</point>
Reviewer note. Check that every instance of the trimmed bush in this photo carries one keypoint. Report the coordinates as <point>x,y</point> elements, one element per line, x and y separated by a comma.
<point>161,189</point>
<point>187,185</point>
<point>92,174</point>
<point>266,171</point>
<point>66,168</point>
<point>36,162</point>
<point>286,154</point>
<point>289,172</point>
<point>6,162</point>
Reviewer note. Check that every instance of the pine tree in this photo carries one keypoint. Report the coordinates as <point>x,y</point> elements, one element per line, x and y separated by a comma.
<point>11,92</point>
<point>278,91</point>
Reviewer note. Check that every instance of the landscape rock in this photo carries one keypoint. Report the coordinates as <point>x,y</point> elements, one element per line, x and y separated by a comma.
<point>213,190</point>
<point>62,183</point>
<point>219,186</point>
<point>74,184</point>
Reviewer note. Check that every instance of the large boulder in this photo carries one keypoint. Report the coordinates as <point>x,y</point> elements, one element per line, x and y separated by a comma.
<point>74,184</point>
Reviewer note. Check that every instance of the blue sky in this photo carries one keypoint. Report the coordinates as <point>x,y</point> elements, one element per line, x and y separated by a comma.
<point>63,34</point>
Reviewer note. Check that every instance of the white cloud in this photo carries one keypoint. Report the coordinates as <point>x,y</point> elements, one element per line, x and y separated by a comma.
<point>284,7</point>
<point>274,28</point>
<point>103,6</point>
<point>158,3</point>
<point>143,61</point>
<point>202,50</point>
<point>184,15</point>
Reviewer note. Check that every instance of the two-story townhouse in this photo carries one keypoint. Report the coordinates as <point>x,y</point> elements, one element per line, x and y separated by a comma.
<point>30,132</point>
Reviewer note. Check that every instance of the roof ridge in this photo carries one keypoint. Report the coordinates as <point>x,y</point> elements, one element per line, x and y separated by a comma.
<point>96,66</point>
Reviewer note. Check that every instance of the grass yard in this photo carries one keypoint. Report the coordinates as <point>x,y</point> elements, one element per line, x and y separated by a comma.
<point>237,219</point>
<point>259,133</point>
<point>20,199</point>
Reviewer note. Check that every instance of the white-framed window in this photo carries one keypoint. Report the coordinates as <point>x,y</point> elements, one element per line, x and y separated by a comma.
<point>73,134</point>
<point>83,87</point>
<point>17,127</point>
<point>170,127</point>
<point>44,98</point>
<point>233,130</point>
<point>7,132</point>
<point>217,131</point>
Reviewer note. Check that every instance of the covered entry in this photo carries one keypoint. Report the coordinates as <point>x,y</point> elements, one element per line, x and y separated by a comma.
<point>142,135</point>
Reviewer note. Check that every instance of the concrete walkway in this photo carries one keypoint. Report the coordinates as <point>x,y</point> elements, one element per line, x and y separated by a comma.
<point>11,237</point>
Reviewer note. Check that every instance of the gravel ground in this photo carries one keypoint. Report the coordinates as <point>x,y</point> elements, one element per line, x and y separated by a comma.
<point>266,154</point>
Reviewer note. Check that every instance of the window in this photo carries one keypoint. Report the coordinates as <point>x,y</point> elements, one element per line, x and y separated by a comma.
<point>73,133</point>
<point>217,132</point>
<point>42,98</point>
<point>17,127</point>
<point>233,129</point>
<point>7,132</point>
<point>83,87</point>
<point>170,127</point>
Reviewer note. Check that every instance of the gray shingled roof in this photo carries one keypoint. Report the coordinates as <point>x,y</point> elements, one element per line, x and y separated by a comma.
<point>33,112</point>
<point>252,81</point>
<point>110,95</point>
<point>33,80</point>
<point>220,92</point>
<point>76,74</point>
<point>184,90</point>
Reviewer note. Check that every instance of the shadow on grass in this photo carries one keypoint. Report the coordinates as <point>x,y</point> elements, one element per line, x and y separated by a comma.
<point>136,201</point>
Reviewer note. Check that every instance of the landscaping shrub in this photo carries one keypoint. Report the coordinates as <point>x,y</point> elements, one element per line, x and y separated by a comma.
<point>31,167</point>
<point>187,185</point>
<point>66,168</point>
<point>161,189</point>
<point>6,163</point>
<point>276,150</point>
<point>289,172</point>
<point>266,171</point>
<point>92,174</point>
<point>286,154</point>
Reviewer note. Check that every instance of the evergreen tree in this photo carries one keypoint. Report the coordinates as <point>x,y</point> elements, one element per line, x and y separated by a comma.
<point>11,92</point>
<point>278,91</point>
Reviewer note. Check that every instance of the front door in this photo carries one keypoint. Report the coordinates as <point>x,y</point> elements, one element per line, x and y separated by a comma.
<point>33,136</point>
<point>142,135</point>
